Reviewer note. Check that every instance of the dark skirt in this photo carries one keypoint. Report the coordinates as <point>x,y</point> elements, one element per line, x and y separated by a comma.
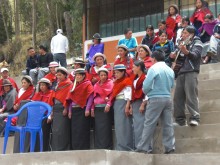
<point>60,129</point>
<point>21,121</point>
<point>80,129</point>
<point>103,129</point>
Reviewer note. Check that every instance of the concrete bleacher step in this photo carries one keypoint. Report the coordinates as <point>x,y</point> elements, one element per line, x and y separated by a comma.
<point>191,145</point>
<point>211,84</point>
<point>208,117</point>
<point>209,67</point>
<point>108,157</point>
<point>209,94</point>
<point>209,105</point>
<point>213,74</point>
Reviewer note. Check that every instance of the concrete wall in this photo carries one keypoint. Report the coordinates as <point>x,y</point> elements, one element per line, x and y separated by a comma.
<point>106,157</point>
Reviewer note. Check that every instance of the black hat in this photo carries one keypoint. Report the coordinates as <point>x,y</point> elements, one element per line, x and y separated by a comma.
<point>96,36</point>
<point>6,82</point>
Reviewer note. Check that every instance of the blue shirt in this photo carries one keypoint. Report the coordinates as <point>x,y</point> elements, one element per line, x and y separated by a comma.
<point>130,43</point>
<point>159,81</point>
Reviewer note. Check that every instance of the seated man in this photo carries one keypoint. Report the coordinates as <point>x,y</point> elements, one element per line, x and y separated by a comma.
<point>149,39</point>
<point>32,61</point>
<point>44,60</point>
<point>5,75</point>
<point>214,40</point>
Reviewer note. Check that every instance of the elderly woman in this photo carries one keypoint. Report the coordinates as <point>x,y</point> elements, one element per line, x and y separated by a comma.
<point>139,100</point>
<point>144,54</point>
<point>52,74</point>
<point>121,97</point>
<point>99,59</point>
<point>80,101</point>
<point>45,94</point>
<point>123,53</point>
<point>24,96</point>
<point>61,123</point>
<point>101,112</point>
<point>7,99</point>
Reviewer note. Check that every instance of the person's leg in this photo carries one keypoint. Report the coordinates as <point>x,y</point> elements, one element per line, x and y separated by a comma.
<point>56,57</point>
<point>33,73</point>
<point>191,89</point>
<point>179,101</point>
<point>213,44</point>
<point>167,124</point>
<point>42,72</point>
<point>152,114</point>
<point>62,59</point>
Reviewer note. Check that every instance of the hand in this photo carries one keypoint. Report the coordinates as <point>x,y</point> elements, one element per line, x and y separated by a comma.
<point>106,99</point>
<point>130,110</point>
<point>70,115</point>
<point>127,110</point>
<point>87,113</point>
<point>49,121</point>
<point>92,113</point>
<point>172,55</point>
<point>16,107</point>
<point>107,109</point>
<point>1,110</point>
<point>183,49</point>
<point>65,112</point>
<point>142,108</point>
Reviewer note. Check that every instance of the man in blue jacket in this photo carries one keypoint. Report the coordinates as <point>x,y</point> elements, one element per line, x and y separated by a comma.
<point>157,86</point>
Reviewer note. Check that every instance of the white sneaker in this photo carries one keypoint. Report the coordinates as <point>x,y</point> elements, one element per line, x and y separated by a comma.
<point>193,123</point>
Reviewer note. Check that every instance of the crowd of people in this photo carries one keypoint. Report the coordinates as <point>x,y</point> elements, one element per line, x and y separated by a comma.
<point>132,95</point>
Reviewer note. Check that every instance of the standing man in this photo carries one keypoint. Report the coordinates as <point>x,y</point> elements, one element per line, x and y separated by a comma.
<point>186,92</point>
<point>129,41</point>
<point>59,46</point>
<point>157,86</point>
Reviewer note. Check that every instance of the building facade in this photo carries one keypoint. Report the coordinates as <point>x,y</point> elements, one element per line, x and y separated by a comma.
<point>111,17</point>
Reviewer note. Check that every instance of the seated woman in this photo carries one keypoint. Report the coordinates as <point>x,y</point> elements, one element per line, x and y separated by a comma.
<point>99,59</point>
<point>144,54</point>
<point>121,98</point>
<point>206,30</point>
<point>45,94</point>
<point>61,123</point>
<point>124,58</point>
<point>164,45</point>
<point>52,74</point>
<point>7,99</point>
<point>24,96</point>
<point>101,111</point>
<point>80,100</point>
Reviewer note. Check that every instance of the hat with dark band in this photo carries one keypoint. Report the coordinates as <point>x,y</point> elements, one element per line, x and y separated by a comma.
<point>80,71</point>
<point>6,82</point>
<point>123,46</point>
<point>63,69</point>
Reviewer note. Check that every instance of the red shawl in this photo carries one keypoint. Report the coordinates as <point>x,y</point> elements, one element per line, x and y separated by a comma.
<point>45,97</point>
<point>26,95</point>
<point>200,15</point>
<point>51,77</point>
<point>81,93</point>
<point>128,66</point>
<point>62,90</point>
<point>12,82</point>
<point>94,74</point>
<point>104,90</point>
<point>173,23</point>
<point>137,92</point>
<point>119,85</point>
<point>147,62</point>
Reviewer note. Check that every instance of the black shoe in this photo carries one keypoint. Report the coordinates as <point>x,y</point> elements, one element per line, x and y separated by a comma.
<point>169,152</point>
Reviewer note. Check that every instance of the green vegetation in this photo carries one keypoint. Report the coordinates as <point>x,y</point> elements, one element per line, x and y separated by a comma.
<point>26,23</point>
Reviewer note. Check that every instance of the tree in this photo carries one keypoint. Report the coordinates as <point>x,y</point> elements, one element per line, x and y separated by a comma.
<point>17,17</point>
<point>34,6</point>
